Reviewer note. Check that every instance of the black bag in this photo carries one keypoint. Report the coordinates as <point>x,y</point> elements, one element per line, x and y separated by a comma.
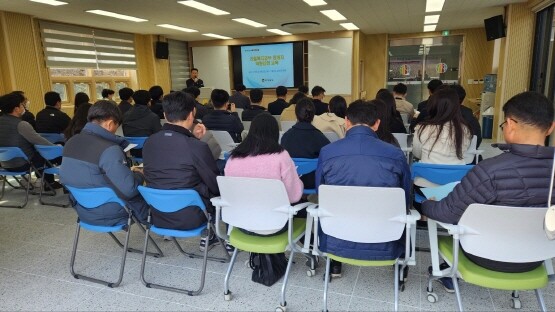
<point>267,268</point>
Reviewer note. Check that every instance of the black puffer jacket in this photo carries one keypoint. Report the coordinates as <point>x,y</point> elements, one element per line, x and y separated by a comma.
<point>519,177</point>
<point>221,120</point>
<point>140,121</point>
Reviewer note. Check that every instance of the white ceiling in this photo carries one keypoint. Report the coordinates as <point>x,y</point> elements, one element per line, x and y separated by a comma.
<point>371,16</point>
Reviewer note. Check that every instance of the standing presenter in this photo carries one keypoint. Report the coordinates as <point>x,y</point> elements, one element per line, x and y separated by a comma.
<point>194,81</point>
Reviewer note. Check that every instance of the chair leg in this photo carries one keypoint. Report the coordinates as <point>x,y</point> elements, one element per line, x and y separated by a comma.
<point>26,194</point>
<point>159,252</point>
<point>227,293</point>
<point>326,282</point>
<point>283,302</point>
<point>396,285</point>
<point>457,292</point>
<point>194,255</point>
<point>4,181</point>
<point>42,184</point>
<point>539,296</point>
<point>74,251</point>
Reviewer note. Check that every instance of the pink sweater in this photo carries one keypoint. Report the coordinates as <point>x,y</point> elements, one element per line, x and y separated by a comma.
<point>270,166</point>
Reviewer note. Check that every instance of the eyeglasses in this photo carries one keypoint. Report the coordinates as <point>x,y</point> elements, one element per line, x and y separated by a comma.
<point>502,125</point>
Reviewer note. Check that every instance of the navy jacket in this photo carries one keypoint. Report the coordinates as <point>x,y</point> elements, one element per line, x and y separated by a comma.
<point>277,106</point>
<point>361,159</point>
<point>222,120</point>
<point>240,100</point>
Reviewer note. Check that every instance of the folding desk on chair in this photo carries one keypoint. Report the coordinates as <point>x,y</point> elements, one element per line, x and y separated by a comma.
<point>11,153</point>
<point>305,166</point>
<point>140,141</point>
<point>49,153</point>
<point>53,137</point>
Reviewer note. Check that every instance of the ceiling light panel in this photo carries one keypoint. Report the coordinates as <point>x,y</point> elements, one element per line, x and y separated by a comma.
<point>349,26</point>
<point>278,31</point>
<point>429,28</point>
<point>434,5</point>
<point>203,7</point>
<point>334,15</point>
<point>315,2</point>
<point>431,19</point>
<point>249,22</point>
<point>117,15</point>
<point>177,28</point>
<point>50,2</point>
<point>217,36</point>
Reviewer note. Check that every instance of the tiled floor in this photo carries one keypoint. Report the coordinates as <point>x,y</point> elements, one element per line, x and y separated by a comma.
<point>35,246</point>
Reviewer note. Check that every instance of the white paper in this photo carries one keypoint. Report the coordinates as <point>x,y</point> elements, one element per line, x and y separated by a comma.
<point>129,147</point>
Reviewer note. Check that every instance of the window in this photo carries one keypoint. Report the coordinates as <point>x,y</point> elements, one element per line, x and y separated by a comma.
<point>99,87</point>
<point>61,88</point>
<point>82,87</point>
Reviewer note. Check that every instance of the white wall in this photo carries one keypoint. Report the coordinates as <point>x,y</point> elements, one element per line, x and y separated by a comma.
<point>213,66</point>
<point>330,64</point>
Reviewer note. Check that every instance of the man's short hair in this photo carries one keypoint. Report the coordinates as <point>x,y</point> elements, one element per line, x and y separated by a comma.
<point>256,95</point>
<point>305,110</point>
<point>434,84</point>
<point>51,98</point>
<point>303,89</point>
<point>106,92</point>
<point>11,101</point>
<point>141,97</point>
<point>360,112</point>
<point>219,97</point>
<point>105,110</point>
<point>240,87</point>
<point>125,93</point>
<point>531,108</point>
<point>461,93</point>
<point>317,90</point>
<point>193,91</point>
<point>194,68</point>
<point>400,88</point>
<point>156,92</point>
<point>178,105</point>
<point>281,91</point>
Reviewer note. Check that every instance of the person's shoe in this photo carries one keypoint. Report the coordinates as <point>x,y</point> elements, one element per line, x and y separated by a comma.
<point>446,282</point>
<point>56,185</point>
<point>167,238</point>
<point>335,270</point>
<point>211,243</point>
<point>230,249</point>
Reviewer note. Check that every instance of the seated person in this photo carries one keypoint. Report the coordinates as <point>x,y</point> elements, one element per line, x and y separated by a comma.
<point>175,158</point>
<point>201,109</point>
<point>318,94</point>
<point>224,117</point>
<point>444,136</point>
<point>384,115</point>
<point>395,122</point>
<point>51,119</point>
<point>140,121</point>
<point>95,158</point>
<point>125,96</point>
<point>334,121</point>
<point>468,115</point>
<point>27,116</point>
<point>288,114</point>
<point>422,107</point>
<point>108,95</point>
<point>78,121</point>
<point>276,107</point>
<point>304,140</point>
<point>255,107</point>
<point>261,156</point>
<point>239,97</point>
<point>362,159</point>
<point>518,177</point>
<point>156,93</point>
<point>401,104</point>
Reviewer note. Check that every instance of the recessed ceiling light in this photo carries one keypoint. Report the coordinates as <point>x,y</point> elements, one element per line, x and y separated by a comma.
<point>203,7</point>
<point>315,2</point>
<point>177,28</point>
<point>50,2</point>
<point>334,15</point>
<point>249,22</point>
<point>279,32</point>
<point>117,15</point>
<point>429,28</point>
<point>434,5</point>
<point>431,19</point>
<point>349,26</point>
<point>217,36</point>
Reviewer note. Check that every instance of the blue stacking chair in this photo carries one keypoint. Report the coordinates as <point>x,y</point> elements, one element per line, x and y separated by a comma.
<point>7,154</point>
<point>169,201</point>
<point>54,137</point>
<point>305,166</point>
<point>437,174</point>
<point>49,153</point>
<point>92,198</point>
<point>140,141</point>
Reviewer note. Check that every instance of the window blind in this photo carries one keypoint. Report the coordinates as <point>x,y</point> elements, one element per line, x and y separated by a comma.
<point>70,46</point>
<point>179,63</point>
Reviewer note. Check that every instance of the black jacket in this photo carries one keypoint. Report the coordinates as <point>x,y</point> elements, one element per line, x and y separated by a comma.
<point>52,120</point>
<point>240,100</point>
<point>472,123</point>
<point>201,110</point>
<point>423,109</point>
<point>156,107</point>
<point>253,111</point>
<point>277,106</point>
<point>303,140</point>
<point>30,118</point>
<point>321,107</point>
<point>191,83</point>
<point>174,159</point>
<point>221,120</point>
<point>124,106</point>
<point>140,121</point>
<point>396,124</point>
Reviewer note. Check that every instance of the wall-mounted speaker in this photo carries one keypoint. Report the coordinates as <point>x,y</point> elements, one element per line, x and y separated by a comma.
<point>162,51</point>
<point>495,28</point>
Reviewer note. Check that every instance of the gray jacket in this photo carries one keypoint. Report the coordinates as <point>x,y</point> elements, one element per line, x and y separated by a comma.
<point>15,132</point>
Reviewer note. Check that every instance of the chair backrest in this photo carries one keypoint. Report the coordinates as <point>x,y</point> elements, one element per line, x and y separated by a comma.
<point>332,136</point>
<point>9,153</point>
<point>240,113</point>
<point>286,125</point>
<point>224,139</point>
<point>247,125</point>
<point>49,152</point>
<point>53,137</point>
<point>470,154</point>
<point>508,234</point>
<point>403,140</point>
<point>280,136</point>
<point>91,198</point>
<point>250,203</point>
<point>140,141</point>
<point>171,200</point>
<point>362,214</point>
<point>438,174</point>
<point>305,165</point>
<point>278,119</point>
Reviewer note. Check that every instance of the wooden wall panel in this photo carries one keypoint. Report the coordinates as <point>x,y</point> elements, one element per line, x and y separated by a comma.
<point>150,71</point>
<point>374,58</point>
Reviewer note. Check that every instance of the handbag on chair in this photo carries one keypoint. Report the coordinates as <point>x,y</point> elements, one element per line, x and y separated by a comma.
<point>549,220</point>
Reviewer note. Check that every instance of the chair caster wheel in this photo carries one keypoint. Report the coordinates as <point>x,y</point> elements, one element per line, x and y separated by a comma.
<point>281,309</point>
<point>227,297</point>
<point>402,287</point>
<point>432,297</point>
<point>311,273</point>
<point>515,303</point>
<point>248,264</point>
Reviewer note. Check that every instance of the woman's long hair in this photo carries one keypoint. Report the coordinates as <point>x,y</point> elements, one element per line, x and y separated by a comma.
<point>444,110</point>
<point>262,139</point>
<point>78,121</point>
<point>80,98</point>
<point>384,132</point>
